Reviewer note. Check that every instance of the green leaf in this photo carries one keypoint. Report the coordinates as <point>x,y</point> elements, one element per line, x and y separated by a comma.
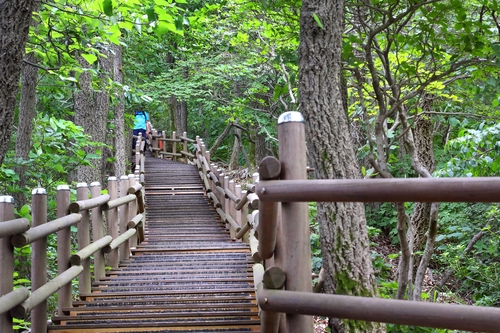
<point>316,18</point>
<point>150,12</point>
<point>91,58</point>
<point>494,102</point>
<point>138,25</point>
<point>107,6</point>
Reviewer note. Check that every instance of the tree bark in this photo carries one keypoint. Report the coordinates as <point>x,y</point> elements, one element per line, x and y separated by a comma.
<point>235,153</point>
<point>122,148</point>
<point>344,238</point>
<point>91,112</point>
<point>15,18</point>
<point>27,114</point>
<point>261,150</point>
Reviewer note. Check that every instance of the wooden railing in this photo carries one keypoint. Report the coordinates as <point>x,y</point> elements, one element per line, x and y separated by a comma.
<point>125,227</point>
<point>254,212</point>
<point>284,193</point>
<point>282,273</point>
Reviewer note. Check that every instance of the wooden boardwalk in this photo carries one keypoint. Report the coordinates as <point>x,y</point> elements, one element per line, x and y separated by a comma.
<point>187,276</point>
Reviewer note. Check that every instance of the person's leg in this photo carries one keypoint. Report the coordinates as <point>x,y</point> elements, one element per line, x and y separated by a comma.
<point>134,140</point>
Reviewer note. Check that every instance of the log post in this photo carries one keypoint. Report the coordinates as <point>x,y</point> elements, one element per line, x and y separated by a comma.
<point>231,208</point>
<point>124,249</point>
<point>154,142</point>
<point>185,145</point>
<point>295,254</point>
<point>84,281</point>
<point>174,146</point>
<point>269,168</point>
<point>226,201</point>
<point>39,260</point>
<point>7,260</point>
<point>97,233</point>
<point>164,146</point>
<point>132,211</point>
<point>63,248</point>
<point>113,219</point>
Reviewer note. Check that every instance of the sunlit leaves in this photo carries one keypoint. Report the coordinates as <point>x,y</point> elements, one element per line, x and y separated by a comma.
<point>91,58</point>
<point>107,6</point>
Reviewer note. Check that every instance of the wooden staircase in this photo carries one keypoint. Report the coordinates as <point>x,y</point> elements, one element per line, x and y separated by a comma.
<point>187,276</point>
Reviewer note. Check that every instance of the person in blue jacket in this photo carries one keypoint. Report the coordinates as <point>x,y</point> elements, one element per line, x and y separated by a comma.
<point>142,124</point>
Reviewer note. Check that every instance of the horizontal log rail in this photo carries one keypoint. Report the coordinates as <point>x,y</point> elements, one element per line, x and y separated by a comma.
<point>477,189</point>
<point>41,294</point>
<point>13,299</point>
<point>87,251</point>
<point>115,243</point>
<point>13,227</point>
<point>450,316</point>
<point>118,202</point>
<point>78,206</point>
<point>44,230</point>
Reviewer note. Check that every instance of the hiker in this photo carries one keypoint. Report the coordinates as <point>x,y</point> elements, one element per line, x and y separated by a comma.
<point>141,124</point>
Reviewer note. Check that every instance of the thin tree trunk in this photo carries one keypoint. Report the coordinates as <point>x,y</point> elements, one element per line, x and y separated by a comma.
<point>429,249</point>
<point>235,153</point>
<point>343,234</point>
<point>122,147</point>
<point>260,146</point>
<point>221,138</point>
<point>405,259</point>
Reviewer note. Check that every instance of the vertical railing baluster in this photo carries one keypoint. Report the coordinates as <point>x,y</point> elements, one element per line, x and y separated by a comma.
<point>7,261</point>
<point>230,209</point>
<point>84,280</point>
<point>295,256</point>
<point>185,145</point>
<point>174,146</point>
<point>39,260</point>
<point>113,220</point>
<point>132,211</point>
<point>63,248</point>
<point>97,233</point>
<point>123,216</point>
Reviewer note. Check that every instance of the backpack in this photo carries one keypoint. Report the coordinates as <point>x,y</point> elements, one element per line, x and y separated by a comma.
<point>137,112</point>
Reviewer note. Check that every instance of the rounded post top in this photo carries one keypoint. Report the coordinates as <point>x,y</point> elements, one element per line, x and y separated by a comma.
<point>291,117</point>
<point>112,178</point>
<point>39,190</point>
<point>78,185</point>
<point>63,187</point>
<point>7,199</point>
<point>124,177</point>
<point>95,184</point>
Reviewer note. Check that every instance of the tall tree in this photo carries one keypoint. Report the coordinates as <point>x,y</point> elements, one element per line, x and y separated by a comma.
<point>122,149</point>
<point>15,18</point>
<point>344,238</point>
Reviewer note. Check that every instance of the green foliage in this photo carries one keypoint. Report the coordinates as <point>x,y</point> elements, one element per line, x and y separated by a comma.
<point>57,149</point>
<point>474,152</point>
<point>316,262</point>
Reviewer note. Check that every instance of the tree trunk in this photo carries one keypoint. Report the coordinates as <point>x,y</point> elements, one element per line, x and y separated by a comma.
<point>181,117</point>
<point>91,112</point>
<point>235,153</point>
<point>172,109</point>
<point>122,147</point>
<point>344,238</point>
<point>261,150</point>
<point>27,114</point>
<point>102,102</point>
<point>425,148</point>
<point>15,18</point>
